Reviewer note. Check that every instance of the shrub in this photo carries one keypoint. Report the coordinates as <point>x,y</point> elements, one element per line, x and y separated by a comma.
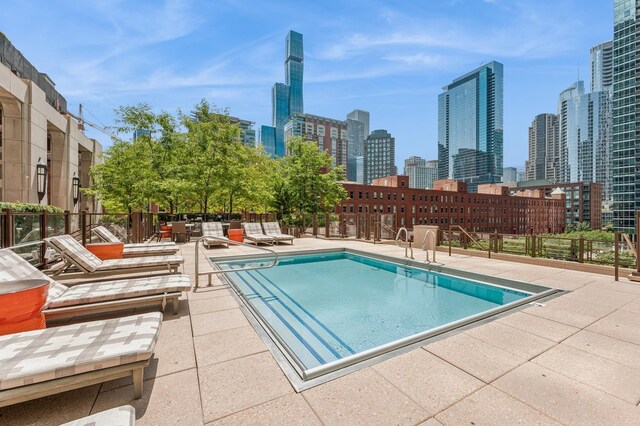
<point>19,207</point>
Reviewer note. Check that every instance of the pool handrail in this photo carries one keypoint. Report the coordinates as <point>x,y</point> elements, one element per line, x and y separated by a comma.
<point>406,240</point>
<point>221,271</point>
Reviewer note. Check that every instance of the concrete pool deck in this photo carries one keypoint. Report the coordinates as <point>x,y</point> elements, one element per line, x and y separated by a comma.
<point>575,360</point>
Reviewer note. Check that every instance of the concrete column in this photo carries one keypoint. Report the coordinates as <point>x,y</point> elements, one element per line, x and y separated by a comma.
<point>15,179</point>
<point>60,182</point>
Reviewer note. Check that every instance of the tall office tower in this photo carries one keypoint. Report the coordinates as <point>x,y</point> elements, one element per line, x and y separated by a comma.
<point>602,89</point>
<point>293,70</point>
<point>330,135</point>
<point>379,156</point>
<point>626,179</point>
<point>583,135</point>
<point>601,59</point>
<point>421,172</point>
<point>362,116</point>
<point>570,132</point>
<point>356,135</point>
<point>286,98</point>
<point>355,169</point>
<point>470,127</point>
<point>280,114</point>
<point>521,175</point>
<point>509,175</point>
<point>543,135</point>
<point>268,139</point>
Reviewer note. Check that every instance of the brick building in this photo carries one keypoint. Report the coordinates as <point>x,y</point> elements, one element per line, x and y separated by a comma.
<point>583,200</point>
<point>490,209</point>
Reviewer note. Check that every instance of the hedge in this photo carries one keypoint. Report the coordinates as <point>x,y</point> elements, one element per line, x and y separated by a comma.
<point>30,208</point>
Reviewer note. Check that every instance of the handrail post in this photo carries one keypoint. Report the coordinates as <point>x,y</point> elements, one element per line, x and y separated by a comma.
<point>490,242</point>
<point>581,249</point>
<point>67,222</point>
<point>44,225</point>
<point>367,226</point>
<point>616,243</point>
<point>135,219</point>
<point>533,245</point>
<point>449,238</point>
<point>7,231</point>
<point>315,225</point>
<point>83,224</point>
<point>327,225</point>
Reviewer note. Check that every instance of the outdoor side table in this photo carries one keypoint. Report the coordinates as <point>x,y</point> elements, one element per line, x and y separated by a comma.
<point>106,251</point>
<point>21,302</point>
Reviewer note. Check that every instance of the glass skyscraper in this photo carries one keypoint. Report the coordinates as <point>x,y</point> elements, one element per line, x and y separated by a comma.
<point>626,182</point>
<point>470,127</point>
<point>268,139</point>
<point>358,130</point>
<point>286,98</point>
<point>293,71</point>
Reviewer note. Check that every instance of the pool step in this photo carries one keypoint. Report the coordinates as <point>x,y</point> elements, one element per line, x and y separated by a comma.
<point>314,343</point>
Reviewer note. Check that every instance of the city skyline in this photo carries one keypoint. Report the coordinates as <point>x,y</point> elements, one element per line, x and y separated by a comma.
<point>393,65</point>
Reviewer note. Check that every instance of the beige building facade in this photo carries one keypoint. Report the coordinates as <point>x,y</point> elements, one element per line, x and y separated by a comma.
<point>33,131</point>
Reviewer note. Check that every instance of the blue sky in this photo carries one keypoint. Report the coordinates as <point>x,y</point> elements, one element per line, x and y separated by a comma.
<point>388,57</point>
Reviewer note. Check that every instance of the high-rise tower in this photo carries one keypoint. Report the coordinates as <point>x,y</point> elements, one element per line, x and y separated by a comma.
<point>293,71</point>
<point>543,148</point>
<point>626,177</point>
<point>286,98</point>
<point>601,57</point>
<point>470,127</point>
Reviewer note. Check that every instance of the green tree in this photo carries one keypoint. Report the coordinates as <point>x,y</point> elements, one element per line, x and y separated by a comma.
<point>165,148</point>
<point>123,181</point>
<point>222,167</point>
<point>308,182</point>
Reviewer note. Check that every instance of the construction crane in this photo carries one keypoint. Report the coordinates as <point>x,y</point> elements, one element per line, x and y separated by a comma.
<point>82,121</point>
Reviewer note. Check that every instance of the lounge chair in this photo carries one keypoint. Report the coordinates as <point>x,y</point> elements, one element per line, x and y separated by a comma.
<point>44,362</point>
<point>80,262</point>
<point>124,415</point>
<point>253,232</point>
<point>215,234</point>
<point>63,301</point>
<point>272,229</point>
<point>136,250</point>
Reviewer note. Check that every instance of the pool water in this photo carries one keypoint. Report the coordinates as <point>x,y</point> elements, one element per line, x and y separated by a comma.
<point>325,307</point>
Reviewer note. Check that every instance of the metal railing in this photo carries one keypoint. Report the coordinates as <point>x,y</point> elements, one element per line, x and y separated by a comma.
<point>222,271</point>
<point>407,246</point>
<point>464,232</point>
<point>424,244</point>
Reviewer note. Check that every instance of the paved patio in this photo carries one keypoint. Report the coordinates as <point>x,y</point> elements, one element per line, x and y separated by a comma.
<point>574,360</point>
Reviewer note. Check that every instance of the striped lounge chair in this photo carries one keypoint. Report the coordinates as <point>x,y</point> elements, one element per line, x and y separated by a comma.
<point>102,296</point>
<point>214,235</point>
<point>121,416</point>
<point>272,229</point>
<point>44,362</point>
<point>80,262</point>
<point>253,232</point>
<point>137,250</point>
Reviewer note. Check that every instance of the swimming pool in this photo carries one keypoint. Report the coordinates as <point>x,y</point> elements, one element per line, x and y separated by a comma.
<point>327,310</point>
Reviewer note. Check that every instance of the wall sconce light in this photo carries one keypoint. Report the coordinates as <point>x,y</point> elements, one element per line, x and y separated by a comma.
<point>75,188</point>
<point>41,179</point>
